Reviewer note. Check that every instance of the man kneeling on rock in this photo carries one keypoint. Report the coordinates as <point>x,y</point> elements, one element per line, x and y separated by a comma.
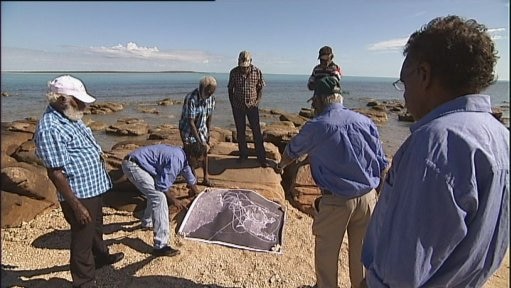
<point>153,170</point>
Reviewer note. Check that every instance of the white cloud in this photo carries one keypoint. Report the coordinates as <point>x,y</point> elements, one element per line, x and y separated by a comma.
<point>132,50</point>
<point>388,45</point>
<point>495,33</point>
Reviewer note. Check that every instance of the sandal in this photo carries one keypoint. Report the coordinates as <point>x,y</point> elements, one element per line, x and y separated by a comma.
<point>208,183</point>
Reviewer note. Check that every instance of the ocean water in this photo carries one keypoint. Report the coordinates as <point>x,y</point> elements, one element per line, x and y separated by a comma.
<point>144,90</point>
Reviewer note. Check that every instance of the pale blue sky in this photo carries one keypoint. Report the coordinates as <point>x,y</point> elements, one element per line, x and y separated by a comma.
<point>284,36</point>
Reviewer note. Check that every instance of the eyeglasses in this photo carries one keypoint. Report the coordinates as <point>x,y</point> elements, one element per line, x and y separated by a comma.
<point>399,85</point>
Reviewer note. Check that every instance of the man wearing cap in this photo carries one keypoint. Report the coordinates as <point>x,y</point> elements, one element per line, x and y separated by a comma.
<point>195,122</point>
<point>326,67</point>
<point>245,90</point>
<point>74,164</point>
<point>346,159</point>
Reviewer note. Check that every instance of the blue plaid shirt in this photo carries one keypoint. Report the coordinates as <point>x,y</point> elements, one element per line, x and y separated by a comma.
<point>61,142</point>
<point>198,109</point>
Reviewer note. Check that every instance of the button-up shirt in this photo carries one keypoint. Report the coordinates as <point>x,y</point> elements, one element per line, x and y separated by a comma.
<point>345,152</point>
<point>245,86</point>
<point>442,219</point>
<point>164,163</point>
<point>194,107</point>
<point>67,144</point>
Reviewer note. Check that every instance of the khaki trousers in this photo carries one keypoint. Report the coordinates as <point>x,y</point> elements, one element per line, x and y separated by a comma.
<point>335,215</point>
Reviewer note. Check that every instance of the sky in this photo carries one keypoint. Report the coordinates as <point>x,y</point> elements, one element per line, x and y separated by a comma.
<point>284,36</point>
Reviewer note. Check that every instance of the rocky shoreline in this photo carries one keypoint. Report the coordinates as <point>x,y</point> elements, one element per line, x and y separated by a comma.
<point>34,233</point>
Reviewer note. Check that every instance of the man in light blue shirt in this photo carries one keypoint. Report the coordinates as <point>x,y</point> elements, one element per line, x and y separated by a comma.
<point>153,169</point>
<point>442,219</point>
<point>346,159</point>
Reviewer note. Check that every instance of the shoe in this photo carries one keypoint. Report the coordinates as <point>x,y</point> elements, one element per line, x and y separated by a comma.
<point>110,259</point>
<point>166,251</point>
<point>263,163</point>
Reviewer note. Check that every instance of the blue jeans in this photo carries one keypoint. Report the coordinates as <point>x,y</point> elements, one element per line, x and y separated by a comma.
<point>156,213</point>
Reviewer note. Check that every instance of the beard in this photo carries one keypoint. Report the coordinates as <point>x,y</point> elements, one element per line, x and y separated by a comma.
<point>72,113</point>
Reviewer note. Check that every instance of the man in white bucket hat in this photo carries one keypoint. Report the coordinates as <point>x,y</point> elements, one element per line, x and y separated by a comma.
<point>74,164</point>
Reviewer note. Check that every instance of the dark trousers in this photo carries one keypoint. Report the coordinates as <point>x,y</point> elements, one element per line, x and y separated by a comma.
<point>86,241</point>
<point>240,119</point>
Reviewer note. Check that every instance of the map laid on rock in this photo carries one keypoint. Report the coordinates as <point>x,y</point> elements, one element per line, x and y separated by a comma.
<point>237,218</point>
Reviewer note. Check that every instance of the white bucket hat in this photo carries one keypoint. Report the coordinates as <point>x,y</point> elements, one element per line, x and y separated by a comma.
<point>68,85</point>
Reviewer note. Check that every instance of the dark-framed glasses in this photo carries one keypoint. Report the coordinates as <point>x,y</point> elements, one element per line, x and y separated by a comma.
<point>399,85</point>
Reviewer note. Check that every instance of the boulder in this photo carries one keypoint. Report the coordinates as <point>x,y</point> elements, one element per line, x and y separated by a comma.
<point>16,209</point>
<point>11,140</point>
<point>28,181</point>
<point>128,127</point>
<point>26,153</point>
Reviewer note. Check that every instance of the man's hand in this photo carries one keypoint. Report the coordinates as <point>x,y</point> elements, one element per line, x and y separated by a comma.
<point>179,204</point>
<point>193,190</point>
<point>81,213</point>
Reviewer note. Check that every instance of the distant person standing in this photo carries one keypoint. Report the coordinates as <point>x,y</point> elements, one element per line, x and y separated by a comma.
<point>326,67</point>
<point>195,122</point>
<point>347,161</point>
<point>153,170</point>
<point>442,219</point>
<point>73,161</point>
<point>245,91</point>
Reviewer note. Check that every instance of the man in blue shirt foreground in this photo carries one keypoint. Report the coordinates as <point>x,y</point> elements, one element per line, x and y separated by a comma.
<point>346,159</point>
<point>442,219</point>
<point>73,160</point>
<point>153,170</point>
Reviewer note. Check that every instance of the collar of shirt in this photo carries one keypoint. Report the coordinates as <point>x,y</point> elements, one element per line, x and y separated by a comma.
<point>467,103</point>
<point>196,94</point>
<point>334,106</point>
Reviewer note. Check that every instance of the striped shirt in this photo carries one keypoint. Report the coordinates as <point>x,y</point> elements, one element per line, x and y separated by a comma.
<point>62,143</point>
<point>319,72</point>
<point>198,109</point>
<point>245,87</point>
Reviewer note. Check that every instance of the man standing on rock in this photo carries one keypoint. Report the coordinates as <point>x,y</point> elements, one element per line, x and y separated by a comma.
<point>347,161</point>
<point>153,170</point>
<point>74,164</point>
<point>195,122</point>
<point>442,219</point>
<point>245,90</point>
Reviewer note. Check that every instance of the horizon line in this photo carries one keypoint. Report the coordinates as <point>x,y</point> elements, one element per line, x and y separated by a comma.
<point>170,71</point>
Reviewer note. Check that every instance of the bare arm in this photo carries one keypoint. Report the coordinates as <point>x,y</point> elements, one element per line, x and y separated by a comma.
<point>286,160</point>
<point>60,181</point>
<point>195,132</point>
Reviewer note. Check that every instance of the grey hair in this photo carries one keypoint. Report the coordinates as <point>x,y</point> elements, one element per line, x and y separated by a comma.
<point>53,97</point>
<point>331,99</point>
<point>207,81</point>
